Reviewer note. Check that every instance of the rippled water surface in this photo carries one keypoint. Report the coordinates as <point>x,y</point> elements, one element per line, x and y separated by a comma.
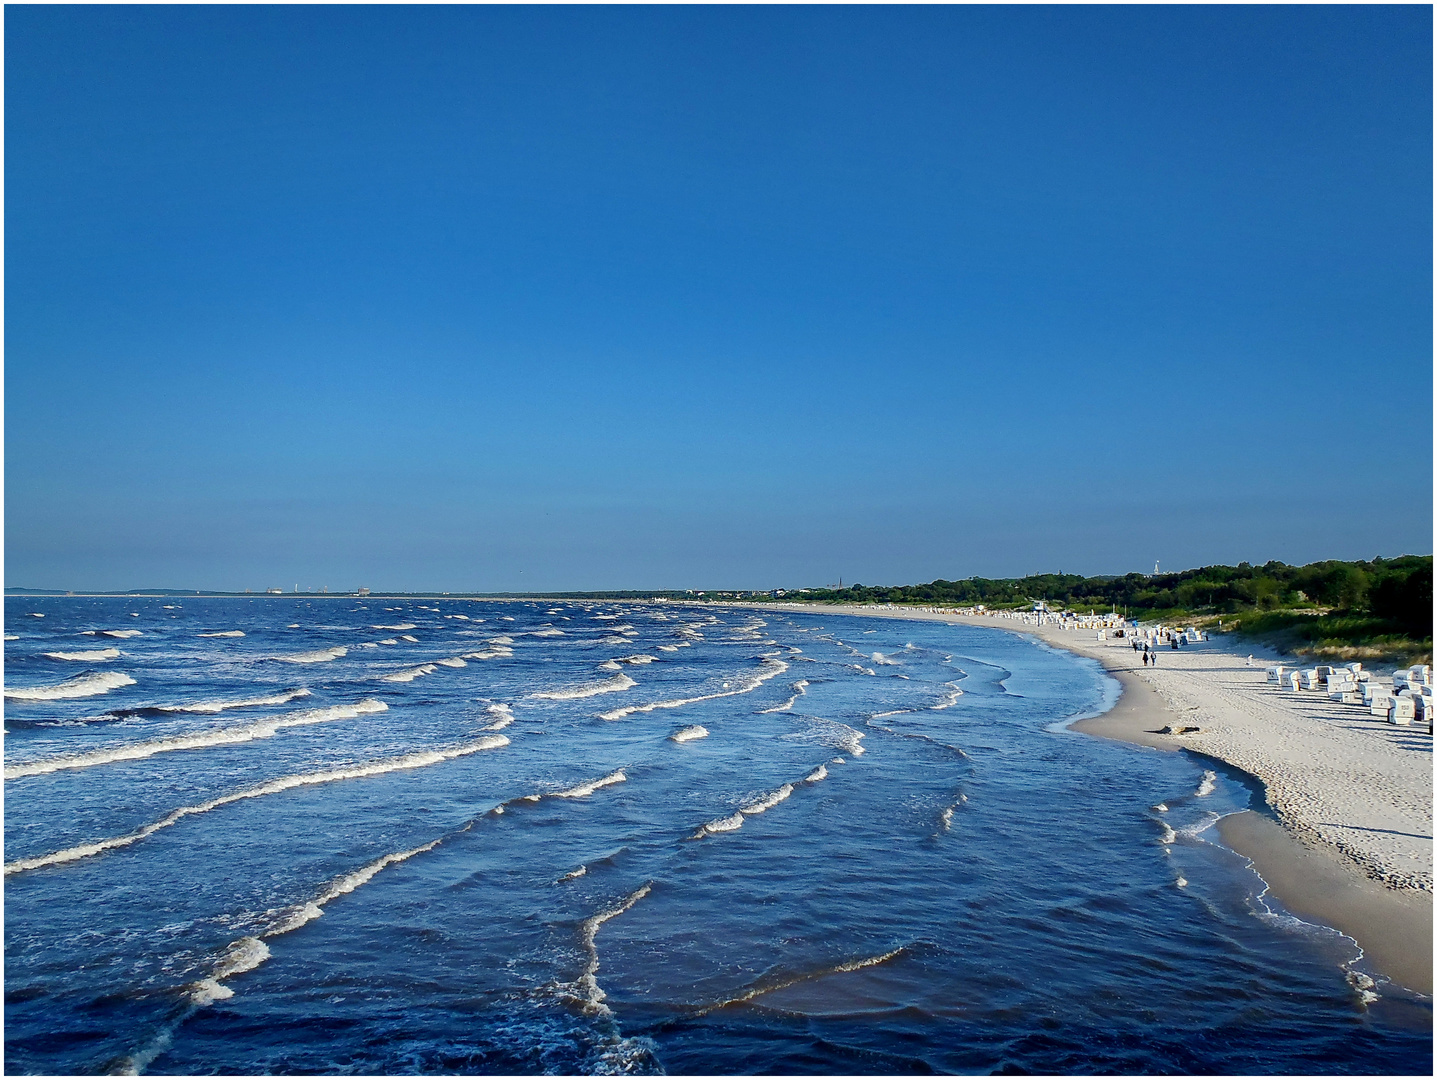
<point>291,835</point>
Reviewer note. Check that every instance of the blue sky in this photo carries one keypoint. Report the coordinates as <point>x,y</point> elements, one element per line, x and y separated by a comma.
<point>588,298</point>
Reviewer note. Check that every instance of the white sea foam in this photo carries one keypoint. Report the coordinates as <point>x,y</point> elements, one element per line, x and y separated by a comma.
<point>831,733</point>
<point>581,790</point>
<point>407,637</point>
<point>36,615</point>
<point>798,691</point>
<point>452,661</point>
<point>498,653</point>
<point>216,706</point>
<point>847,966</point>
<point>572,874</point>
<point>228,736</point>
<point>772,799</point>
<point>122,633</point>
<point>885,661</point>
<point>611,665</point>
<point>318,656</point>
<point>79,686</point>
<point>1168,837</point>
<point>397,626</point>
<point>501,640</point>
<point>638,659</point>
<point>1208,785</point>
<point>410,674</point>
<point>503,716</point>
<point>388,641</point>
<point>688,734</point>
<point>12,637</point>
<point>547,631</point>
<point>589,993</point>
<point>719,825</point>
<point>225,633</point>
<point>949,699</point>
<point>771,669</point>
<point>588,690</point>
<point>86,655</point>
<point>375,768</point>
<point>820,773</point>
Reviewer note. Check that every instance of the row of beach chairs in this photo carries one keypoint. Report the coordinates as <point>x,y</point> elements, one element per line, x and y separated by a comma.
<point>1408,700</point>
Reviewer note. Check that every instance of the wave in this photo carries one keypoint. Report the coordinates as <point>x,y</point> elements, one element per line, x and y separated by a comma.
<point>80,686</point>
<point>847,966</point>
<point>638,659</point>
<point>12,637</point>
<point>548,631</point>
<point>87,655</point>
<point>1208,785</point>
<point>590,995</point>
<point>260,729</point>
<point>398,626</point>
<point>611,665</point>
<point>503,716</point>
<point>688,734</point>
<point>407,637</point>
<point>820,773</point>
<point>409,674</point>
<point>499,653</point>
<point>452,661</point>
<point>771,670</point>
<point>831,733</point>
<point>572,874</point>
<point>884,661</point>
<point>583,790</point>
<point>501,640</point>
<point>235,703</point>
<point>250,952</point>
<point>772,799</point>
<point>588,690</point>
<point>799,688</point>
<point>375,768</point>
<point>318,656</point>
<point>719,825</point>
<point>1168,837</point>
<point>949,699</point>
<point>225,633</point>
<point>121,633</point>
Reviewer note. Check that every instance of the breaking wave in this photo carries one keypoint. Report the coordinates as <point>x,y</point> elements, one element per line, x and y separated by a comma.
<point>771,669</point>
<point>688,734</point>
<point>236,703</point>
<point>588,690</point>
<point>582,790</point>
<point>87,655</point>
<point>229,736</point>
<point>79,686</point>
<point>318,656</point>
<point>225,633</point>
<point>375,768</point>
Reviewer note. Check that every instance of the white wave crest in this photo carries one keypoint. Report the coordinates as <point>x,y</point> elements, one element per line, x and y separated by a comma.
<point>225,633</point>
<point>229,736</point>
<point>590,994</point>
<point>452,661</point>
<point>879,658</point>
<point>398,626</point>
<point>236,703</point>
<point>407,637</point>
<point>79,686</point>
<point>410,674</point>
<point>318,656</point>
<point>498,653</point>
<point>503,716</point>
<point>1208,785</point>
<point>820,773</point>
<point>688,734</point>
<point>949,699</point>
<point>582,790</point>
<point>548,631</point>
<point>799,688</point>
<point>588,690</point>
<point>86,655</point>
<point>121,633</point>
<point>409,761</point>
<point>572,874</point>
<point>719,825</point>
<point>771,669</point>
<point>767,802</point>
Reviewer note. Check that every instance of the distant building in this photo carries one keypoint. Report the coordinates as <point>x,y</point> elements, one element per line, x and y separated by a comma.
<point>275,592</point>
<point>361,592</point>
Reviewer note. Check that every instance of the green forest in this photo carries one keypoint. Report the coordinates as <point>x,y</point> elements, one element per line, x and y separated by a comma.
<point>1377,608</point>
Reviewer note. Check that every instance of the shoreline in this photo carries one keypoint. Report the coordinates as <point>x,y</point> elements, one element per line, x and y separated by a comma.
<point>1313,880</point>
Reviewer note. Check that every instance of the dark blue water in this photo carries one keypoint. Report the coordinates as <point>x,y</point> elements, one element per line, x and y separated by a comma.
<point>439,844</point>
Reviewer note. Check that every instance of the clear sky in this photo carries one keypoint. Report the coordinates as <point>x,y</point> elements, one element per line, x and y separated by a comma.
<point>588,298</point>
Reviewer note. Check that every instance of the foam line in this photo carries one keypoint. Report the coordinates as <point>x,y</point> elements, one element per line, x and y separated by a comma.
<point>79,686</point>
<point>120,633</point>
<point>318,656</point>
<point>590,994</point>
<point>799,689</point>
<point>374,768</point>
<point>503,716</point>
<point>587,690</point>
<point>236,703</point>
<point>758,991</point>
<point>689,734</point>
<point>229,736</point>
<point>86,655</point>
<point>582,790</point>
<point>225,633</point>
<point>771,670</point>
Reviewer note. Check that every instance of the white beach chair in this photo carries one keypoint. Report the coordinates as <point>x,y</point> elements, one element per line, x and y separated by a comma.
<point>1401,710</point>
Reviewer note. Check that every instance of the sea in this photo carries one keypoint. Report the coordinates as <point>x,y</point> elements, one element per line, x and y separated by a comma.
<point>410,836</point>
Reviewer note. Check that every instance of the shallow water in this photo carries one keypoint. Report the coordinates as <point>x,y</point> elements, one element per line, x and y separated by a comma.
<point>875,849</point>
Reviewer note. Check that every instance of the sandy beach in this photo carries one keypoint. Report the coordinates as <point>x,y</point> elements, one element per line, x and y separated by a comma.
<point>1346,837</point>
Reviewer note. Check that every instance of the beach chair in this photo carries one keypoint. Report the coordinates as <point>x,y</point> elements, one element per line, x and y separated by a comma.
<point>1312,679</point>
<point>1401,710</point>
<point>1294,681</point>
